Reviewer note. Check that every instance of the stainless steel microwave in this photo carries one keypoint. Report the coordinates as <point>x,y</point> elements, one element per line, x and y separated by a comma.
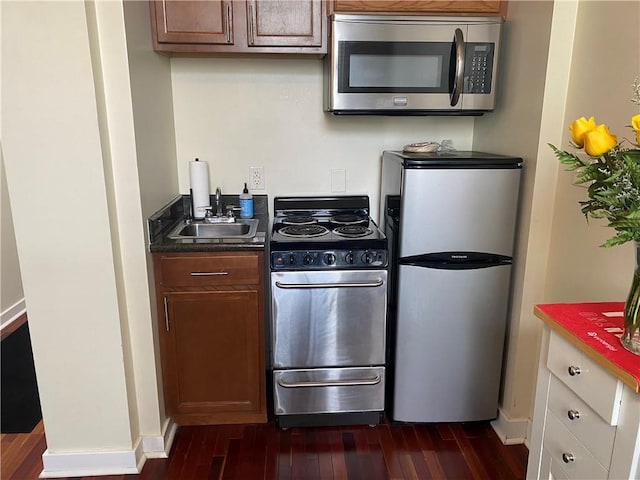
<point>411,65</point>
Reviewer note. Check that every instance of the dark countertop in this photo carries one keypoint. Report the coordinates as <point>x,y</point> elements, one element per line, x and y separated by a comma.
<point>161,223</point>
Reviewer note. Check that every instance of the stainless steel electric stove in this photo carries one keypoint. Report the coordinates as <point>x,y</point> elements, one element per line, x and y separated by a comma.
<point>329,301</point>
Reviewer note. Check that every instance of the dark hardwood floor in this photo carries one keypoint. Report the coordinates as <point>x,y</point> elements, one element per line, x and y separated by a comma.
<point>248,452</point>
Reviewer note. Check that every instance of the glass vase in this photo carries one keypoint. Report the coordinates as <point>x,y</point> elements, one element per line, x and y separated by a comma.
<point>631,337</point>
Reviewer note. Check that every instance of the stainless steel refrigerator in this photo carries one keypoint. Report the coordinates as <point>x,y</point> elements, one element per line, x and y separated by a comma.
<point>450,219</point>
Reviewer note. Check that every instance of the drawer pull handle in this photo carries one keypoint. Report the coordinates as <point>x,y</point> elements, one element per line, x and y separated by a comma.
<point>331,383</point>
<point>208,274</point>
<point>573,414</point>
<point>568,457</point>
<point>573,370</point>
<point>377,283</point>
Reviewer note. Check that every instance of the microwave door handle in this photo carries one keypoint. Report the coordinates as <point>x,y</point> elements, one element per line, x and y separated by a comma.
<point>459,75</point>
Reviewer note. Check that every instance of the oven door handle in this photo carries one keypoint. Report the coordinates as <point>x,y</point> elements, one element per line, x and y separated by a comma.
<point>331,383</point>
<point>377,283</point>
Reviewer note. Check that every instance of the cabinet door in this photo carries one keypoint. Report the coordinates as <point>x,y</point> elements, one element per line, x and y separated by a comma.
<point>481,7</point>
<point>193,22</point>
<point>273,23</point>
<point>213,357</point>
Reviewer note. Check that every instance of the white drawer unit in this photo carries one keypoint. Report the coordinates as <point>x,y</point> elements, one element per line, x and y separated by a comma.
<point>582,421</point>
<point>586,422</point>
<point>569,453</point>
<point>589,381</point>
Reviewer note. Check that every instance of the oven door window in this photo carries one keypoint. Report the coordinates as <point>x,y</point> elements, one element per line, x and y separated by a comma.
<point>395,67</point>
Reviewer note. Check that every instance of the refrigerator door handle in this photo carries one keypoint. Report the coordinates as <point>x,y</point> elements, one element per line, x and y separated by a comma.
<point>456,260</point>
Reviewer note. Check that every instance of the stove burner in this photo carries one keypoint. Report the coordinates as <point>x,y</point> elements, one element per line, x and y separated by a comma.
<point>305,231</point>
<point>352,231</point>
<point>348,219</point>
<point>299,220</point>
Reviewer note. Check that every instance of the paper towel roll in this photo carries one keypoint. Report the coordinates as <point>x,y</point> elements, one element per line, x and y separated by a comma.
<point>199,178</point>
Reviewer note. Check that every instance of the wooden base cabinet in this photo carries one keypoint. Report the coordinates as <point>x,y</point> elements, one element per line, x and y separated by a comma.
<point>239,26</point>
<point>586,422</point>
<point>211,328</point>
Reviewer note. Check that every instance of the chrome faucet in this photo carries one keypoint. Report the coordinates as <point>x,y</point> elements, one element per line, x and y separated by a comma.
<point>219,217</point>
<point>219,209</point>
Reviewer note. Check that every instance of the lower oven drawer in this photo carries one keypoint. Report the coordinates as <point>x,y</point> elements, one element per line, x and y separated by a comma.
<point>329,390</point>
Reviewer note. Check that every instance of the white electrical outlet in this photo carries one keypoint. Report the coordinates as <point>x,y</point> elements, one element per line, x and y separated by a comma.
<point>256,177</point>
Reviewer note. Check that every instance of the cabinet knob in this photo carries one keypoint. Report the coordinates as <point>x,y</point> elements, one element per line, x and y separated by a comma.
<point>573,414</point>
<point>574,370</point>
<point>568,457</point>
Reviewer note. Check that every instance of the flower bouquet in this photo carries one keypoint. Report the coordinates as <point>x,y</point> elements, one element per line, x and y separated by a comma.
<point>612,171</point>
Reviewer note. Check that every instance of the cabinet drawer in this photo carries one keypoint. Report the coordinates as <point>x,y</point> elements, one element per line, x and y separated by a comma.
<point>583,423</point>
<point>598,388</point>
<point>568,453</point>
<point>202,270</point>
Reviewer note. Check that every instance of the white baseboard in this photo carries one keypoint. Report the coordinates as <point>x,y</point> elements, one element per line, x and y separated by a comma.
<point>85,464</point>
<point>58,465</point>
<point>511,431</point>
<point>160,446</point>
<point>12,313</point>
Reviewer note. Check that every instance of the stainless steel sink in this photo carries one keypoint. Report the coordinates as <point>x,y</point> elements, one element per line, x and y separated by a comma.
<point>241,228</point>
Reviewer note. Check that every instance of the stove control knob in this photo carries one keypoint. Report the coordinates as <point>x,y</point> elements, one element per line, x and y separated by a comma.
<point>367,258</point>
<point>329,258</point>
<point>349,258</point>
<point>292,259</point>
<point>307,259</point>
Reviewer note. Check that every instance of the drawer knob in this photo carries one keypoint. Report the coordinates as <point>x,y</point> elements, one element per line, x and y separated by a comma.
<point>573,370</point>
<point>568,457</point>
<point>573,414</point>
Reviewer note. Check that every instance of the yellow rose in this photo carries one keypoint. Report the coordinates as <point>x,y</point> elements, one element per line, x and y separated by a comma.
<point>635,124</point>
<point>579,127</point>
<point>599,141</point>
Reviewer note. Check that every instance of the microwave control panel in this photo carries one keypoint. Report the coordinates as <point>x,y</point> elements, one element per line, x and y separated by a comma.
<point>478,67</point>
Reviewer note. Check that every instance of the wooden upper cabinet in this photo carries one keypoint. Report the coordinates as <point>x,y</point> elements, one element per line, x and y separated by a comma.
<point>468,7</point>
<point>199,22</point>
<point>239,26</point>
<point>285,23</point>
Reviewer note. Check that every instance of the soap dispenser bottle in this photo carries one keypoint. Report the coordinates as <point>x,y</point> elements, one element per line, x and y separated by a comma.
<point>246,203</point>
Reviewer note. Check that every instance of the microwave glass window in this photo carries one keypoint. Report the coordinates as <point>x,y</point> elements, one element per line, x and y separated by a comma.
<point>395,71</point>
<point>394,67</point>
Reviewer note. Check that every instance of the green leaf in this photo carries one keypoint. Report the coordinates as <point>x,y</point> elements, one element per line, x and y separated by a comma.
<point>613,189</point>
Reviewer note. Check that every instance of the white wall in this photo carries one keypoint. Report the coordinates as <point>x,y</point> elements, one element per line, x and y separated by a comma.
<point>606,60</point>
<point>514,129</point>
<point>150,78</point>
<point>12,303</point>
<point>150,85</point>
<point>56,180</point>
<point>237,113</point>
<point>103,128</point>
